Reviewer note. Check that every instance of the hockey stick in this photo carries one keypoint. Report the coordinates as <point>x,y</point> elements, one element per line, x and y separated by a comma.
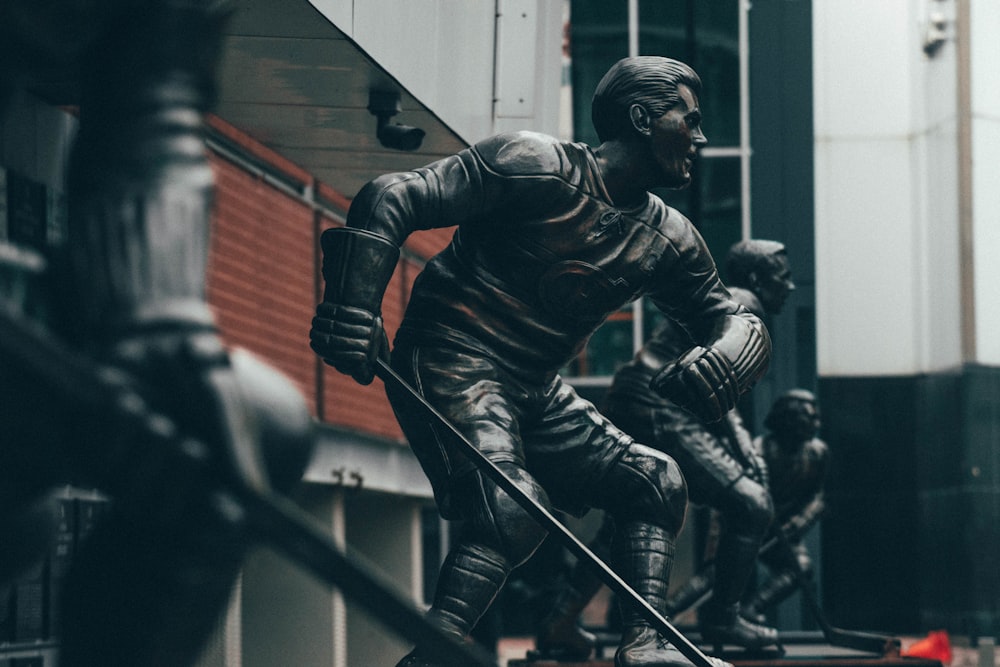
<point>89,390</point>
<point>548,521</point>
<point>860,641</point>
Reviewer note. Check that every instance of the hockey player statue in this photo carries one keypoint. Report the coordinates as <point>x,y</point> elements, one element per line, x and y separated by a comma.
<point>716,458</point>
<point>551,238</point>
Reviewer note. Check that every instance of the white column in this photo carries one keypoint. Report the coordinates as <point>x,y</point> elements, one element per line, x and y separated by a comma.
<point>384,530</point>
<point>984,57</point>
<point>888,275</point>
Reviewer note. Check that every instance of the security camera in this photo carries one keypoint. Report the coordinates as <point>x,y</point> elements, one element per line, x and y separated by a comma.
<point>400,137</point>
<point>385,105</point>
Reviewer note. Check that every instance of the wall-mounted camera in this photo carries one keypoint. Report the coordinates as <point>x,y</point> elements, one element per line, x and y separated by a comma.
<point>384,105</point>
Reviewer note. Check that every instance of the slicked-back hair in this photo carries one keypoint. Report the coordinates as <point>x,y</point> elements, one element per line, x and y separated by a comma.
<point>650,81</point>
<point>750,256</point>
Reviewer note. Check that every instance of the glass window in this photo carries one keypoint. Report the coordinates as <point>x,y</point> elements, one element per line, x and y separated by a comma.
<point>706,36</point>
<point>608,349</point>
<point>717,61</point>
<point>665,29</point>
<point>719,212</point>
<point>598,39</point>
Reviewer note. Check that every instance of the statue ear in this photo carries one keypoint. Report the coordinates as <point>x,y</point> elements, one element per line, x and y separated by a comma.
<point>640,119</point>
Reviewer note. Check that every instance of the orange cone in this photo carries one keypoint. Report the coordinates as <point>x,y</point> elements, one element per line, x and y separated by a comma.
<point>935,646</point>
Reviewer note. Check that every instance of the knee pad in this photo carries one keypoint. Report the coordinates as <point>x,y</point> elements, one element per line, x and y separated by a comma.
<point>647,485</point>
<point>495,519</point>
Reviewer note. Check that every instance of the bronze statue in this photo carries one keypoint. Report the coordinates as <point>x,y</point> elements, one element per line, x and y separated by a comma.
<point>797,461</point>
<point>551,238</point>
<point>717,460</point>
<point>721,467</point>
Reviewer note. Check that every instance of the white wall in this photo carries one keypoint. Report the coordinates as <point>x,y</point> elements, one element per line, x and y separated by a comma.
<point>385,530</point>
<point>886,207</point>
<point>985,22</point>
<point>444,52</point>
<point>289,616</point>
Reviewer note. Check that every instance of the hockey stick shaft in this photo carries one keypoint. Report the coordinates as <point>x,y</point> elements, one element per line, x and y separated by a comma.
<point>861,641</point>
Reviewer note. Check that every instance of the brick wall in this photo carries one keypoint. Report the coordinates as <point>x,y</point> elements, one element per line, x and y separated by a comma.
<point>263,280</point>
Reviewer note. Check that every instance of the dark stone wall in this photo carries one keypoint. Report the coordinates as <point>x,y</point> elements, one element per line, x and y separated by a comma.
<point>781,184</point>
<point>911,539</point>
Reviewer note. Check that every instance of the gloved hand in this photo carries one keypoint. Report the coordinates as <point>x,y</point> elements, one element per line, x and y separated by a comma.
<point>701,381</point>
<point>792,530</point>
<point>349,339</point>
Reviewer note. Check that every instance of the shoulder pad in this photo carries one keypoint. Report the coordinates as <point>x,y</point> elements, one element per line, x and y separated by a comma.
<point>747,299</point>
<point>521,153</point>
<point>681,232</point>
<point>678,219</point>
<point>673,223</point>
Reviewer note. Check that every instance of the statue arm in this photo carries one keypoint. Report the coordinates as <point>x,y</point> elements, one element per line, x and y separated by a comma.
<point>732,349</point>
<point>358,262</point>
<point>499,174</point>
<point>360,258</point>
<point>814,503</point>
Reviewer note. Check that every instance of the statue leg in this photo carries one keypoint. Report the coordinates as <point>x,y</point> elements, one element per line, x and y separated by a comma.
<point>498,535</point>
<point>643,555</point>
<point>746,513</point>
<point>774,591</point>
<point>646,494</point>
<point>559,634</point>
<point>692,591</point>
<point>782,583</point>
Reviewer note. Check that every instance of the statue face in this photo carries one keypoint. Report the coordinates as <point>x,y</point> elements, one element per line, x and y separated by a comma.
<point>774,284</point>
<point>804,423</point>
<point>675,138</point>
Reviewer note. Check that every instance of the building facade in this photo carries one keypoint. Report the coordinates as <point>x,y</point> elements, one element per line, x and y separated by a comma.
<point>906,115</point>
<point>861,136</point>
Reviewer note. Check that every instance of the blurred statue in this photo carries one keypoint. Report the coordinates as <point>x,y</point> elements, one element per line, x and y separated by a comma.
<point>797,461</point>
<point>128,297</point>
<point>717,460</point>
<point>552,238</point>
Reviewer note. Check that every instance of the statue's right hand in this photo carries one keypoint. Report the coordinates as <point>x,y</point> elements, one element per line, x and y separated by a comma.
<point>349,339</point>
<point>701,381</point>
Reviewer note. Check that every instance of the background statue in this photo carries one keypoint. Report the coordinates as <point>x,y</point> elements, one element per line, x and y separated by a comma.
<point>552,238</point>
<point>717,460</point>
<point>797,461</point>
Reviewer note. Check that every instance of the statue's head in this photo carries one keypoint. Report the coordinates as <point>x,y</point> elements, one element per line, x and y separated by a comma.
<point>652,101</point>
<point>794,416</point>
<point>762,267</point>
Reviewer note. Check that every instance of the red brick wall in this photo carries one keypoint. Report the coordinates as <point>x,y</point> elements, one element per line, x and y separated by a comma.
<point>263,283</point>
